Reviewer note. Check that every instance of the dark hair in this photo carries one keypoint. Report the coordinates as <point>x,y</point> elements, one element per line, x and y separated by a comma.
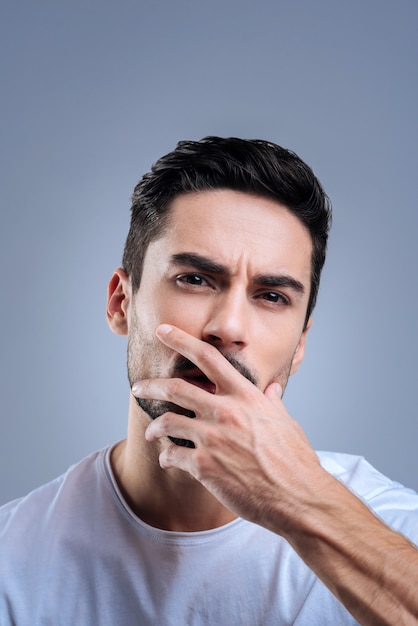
<point>248,165</point>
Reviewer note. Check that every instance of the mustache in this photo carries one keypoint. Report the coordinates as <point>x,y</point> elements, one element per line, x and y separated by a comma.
<point>184,365</point>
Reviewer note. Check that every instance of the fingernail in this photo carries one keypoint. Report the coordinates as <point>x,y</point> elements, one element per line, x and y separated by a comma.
<point>279,390</point>
<point>164,329</point>
<point>135,388</point>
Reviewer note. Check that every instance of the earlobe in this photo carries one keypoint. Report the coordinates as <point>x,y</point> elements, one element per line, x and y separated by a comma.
<point>300,349</point>
<point>118,297</point>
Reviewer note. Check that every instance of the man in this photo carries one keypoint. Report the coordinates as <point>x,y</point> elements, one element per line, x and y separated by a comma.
<point>215,509</point>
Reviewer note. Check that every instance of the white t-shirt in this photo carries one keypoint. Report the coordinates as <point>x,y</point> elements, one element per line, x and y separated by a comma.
<point>72,553</point>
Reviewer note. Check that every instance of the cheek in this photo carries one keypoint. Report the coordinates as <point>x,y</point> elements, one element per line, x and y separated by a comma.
<point>188,316</point>
<point>276,354</point>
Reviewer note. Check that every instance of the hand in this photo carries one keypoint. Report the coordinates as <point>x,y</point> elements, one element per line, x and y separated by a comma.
<point>248,451</point>
<point>257,461</point>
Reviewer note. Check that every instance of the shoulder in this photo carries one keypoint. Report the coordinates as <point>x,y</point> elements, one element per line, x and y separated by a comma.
<point>394,503</point>
<point>359,475</point>
<point>36,509</point>
<point>45,539</point>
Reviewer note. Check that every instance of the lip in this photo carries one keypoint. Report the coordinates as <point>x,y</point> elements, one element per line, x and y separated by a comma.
<point>198,379</point>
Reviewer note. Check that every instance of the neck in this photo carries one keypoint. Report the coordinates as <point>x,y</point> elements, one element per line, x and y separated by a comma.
<point>167,499</point>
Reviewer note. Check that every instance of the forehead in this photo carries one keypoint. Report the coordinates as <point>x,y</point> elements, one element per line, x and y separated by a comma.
<point>233,227</point>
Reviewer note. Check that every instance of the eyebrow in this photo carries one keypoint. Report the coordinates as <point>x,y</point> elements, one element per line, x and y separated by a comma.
<point>280,280</point>
<point>200,262</point>
<point>205,264</point>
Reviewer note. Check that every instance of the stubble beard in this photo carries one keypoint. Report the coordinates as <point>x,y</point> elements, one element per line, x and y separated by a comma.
<point>143,358</point>
<point>139,344</point>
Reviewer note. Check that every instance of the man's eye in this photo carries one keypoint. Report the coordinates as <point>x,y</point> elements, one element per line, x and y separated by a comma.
<point>192,279</point>
<point>275,297</point>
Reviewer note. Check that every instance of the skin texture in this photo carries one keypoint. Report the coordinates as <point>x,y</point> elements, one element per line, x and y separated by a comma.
<point>233,312</point>
<point>214,331</point>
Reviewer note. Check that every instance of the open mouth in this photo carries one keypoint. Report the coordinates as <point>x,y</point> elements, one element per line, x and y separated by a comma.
<point>197,378</point>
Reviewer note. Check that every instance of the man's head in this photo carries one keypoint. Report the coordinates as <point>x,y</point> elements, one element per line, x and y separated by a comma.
<point>252,166</point>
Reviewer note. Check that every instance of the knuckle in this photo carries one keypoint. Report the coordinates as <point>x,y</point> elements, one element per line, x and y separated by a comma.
<point>164,423</point>
<point>202,463</point>
<point>250,394</point>
<point>209,353</point>
<point>212,437</point>
<point>227,415</point>
<point>173,388</point>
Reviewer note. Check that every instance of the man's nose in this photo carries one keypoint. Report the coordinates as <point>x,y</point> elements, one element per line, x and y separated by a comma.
<point>227,326</point>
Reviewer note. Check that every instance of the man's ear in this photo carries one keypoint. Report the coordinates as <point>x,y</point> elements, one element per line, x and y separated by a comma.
<point>118,298</point>
<point>300,349</point>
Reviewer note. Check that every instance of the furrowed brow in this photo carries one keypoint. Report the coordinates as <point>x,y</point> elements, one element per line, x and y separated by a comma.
<point>280,280</point>
<point>204,264</point>
<point>199,262</point>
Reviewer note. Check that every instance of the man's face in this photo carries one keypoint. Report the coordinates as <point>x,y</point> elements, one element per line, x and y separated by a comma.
<point>233,269</point>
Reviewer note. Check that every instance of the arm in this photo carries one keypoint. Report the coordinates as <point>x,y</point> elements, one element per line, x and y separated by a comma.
<point>371,569</point>
<point>257,461</point>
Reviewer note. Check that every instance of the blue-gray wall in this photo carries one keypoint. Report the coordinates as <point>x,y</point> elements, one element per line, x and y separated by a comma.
<point>93,92</point>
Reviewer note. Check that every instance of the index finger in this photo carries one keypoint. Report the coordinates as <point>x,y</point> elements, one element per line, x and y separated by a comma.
<point>205,356</point>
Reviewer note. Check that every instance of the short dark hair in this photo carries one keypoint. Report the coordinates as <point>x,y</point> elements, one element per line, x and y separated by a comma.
<point>248,165</point>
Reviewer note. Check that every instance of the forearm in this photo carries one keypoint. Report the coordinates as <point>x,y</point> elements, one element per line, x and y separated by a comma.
<point>371,569</point>
<point>257,462</point>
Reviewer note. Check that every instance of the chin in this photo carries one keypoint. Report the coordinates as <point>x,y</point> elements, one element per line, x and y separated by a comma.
<point>154,409</point>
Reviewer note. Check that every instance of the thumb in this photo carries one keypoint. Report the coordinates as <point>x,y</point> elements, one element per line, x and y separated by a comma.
<point>274,392</point>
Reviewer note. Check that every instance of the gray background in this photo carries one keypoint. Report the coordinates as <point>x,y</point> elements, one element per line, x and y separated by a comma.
<point>92,92</point>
